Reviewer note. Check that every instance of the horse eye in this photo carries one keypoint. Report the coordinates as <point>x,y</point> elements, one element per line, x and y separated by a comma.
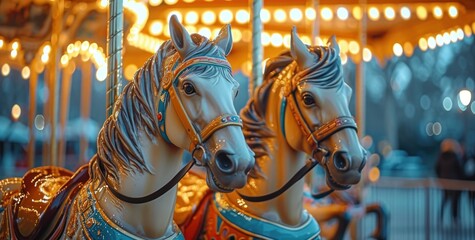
<point>308,99</point>
<point>188,88</point>
<point>237,92</point>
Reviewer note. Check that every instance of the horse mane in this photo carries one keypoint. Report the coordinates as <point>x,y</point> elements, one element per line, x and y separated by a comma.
<point>326,73</point>
<point>134,115</point>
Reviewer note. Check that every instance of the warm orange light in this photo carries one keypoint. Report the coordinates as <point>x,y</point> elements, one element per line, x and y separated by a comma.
<point>208,17</point>
<point>225,16</point>
<point>310,13</point>
<point>343,45</point>
<point>389,13</point>
<point>421,12</point>
<point>276,40</point>
<point>342,13</point>
<point>373,13</point>
<point>101,73</point>
<point>467,30</point>
<point>44,58</point>
<point>367,55</point>
<point>397,49</point>
<point>280,15</point>
<point>431,42</point>
<point>265,15</point>
<point>453,12</point>
<point>170,2</point>
<point>295,14</point>
<point>154,3</point>
<point>286,40</point>
<point>13,54</point>
<point>326,14</point>
<point>47,49</point>
<point>374,174</point>
<point>25,72</point>
<point>129,71</point>
<point>423,44</point>
<point>237,35</point>
<point>357,13</point>
<point>405,13</point>
<point>242,16</point>
<point>16,112</point>
<point>265,39</point>
<point>5,69</point>
<point>156,27</point>
<point>437,12</point>
<point>15,45</point>
<point>353,47</point>
<point>204,31</point>
<point>191,17</point>
<point>64,60</point>
<point>408,49</point>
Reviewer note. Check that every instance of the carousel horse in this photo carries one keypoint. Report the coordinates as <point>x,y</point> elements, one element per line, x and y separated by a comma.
<point>180,99</point>
<point>300,110</point>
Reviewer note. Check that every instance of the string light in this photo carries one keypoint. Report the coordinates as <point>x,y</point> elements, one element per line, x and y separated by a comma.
<point>342,13</point>
<point>405,13</point>
<point>310,14</point>
<point>265,15</point>
<point>295,14</point>
<point>326,14</point>
<point>280,16</point>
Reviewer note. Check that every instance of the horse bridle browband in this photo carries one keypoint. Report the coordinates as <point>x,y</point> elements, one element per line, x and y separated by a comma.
<point>312,137</point>
<point>172,70</point>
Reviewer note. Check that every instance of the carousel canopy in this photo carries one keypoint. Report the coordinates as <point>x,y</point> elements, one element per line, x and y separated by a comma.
<point>377,29</point>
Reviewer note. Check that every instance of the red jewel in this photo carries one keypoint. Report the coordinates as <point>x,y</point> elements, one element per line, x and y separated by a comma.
<point>159,116</point>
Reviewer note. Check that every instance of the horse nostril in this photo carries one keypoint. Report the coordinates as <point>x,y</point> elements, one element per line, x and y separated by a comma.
<point>341,160</point>
<point>363,163</point>
<point>224,163</point>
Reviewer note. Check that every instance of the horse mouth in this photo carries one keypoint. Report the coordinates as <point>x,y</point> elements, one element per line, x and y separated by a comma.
<point>333,184</point>
<point>215,185</point>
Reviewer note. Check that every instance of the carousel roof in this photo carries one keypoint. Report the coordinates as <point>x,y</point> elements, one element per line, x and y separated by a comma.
<point>389,27</point>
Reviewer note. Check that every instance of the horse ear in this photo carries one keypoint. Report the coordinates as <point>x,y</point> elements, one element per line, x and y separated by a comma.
<point>333,44</point>
<point>299,51</point>
<point>224,40</point>
<point>181,39</point>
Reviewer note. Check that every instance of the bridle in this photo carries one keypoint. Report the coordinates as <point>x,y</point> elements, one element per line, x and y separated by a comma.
<point>312,137</point>
<point>168,93</point>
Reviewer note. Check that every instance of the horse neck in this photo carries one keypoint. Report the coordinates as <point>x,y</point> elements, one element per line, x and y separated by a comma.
<point>278,167</point>
<point>155,218</point>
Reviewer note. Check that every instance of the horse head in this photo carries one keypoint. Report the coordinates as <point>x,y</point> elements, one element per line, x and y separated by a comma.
<point>317,117</point>
<point>203,103</point>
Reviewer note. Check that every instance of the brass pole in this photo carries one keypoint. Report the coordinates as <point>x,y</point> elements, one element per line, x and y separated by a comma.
<point>257,49</point>
<point>85,108</point>
<point>315,24</point>
<point>115,28</point>
<point>64,111</point>
<point>57,15</point>
<point>31,116</point>
<point>360,77</point>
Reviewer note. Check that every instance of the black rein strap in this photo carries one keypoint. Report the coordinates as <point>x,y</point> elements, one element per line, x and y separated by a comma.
<point>311,163</point>
<point>138,200</point>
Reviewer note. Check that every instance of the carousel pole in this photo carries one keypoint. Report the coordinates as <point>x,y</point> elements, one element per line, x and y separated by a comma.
<point>114,53</point>
<point>31,115</point>
<point>360,76</point>
<point>64,111</point>
<point>314,25</point>
<point>85,108</point>
<point>360,102</point>
<point>257,49</point>
<point>57,15</point>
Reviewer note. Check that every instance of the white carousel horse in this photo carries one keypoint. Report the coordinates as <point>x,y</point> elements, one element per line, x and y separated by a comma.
<point>182,98</point>
<point>300,110</point>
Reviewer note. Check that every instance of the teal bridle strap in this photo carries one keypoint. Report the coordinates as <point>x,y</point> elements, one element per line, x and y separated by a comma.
<point>283,104</point>
<point>162,106</point>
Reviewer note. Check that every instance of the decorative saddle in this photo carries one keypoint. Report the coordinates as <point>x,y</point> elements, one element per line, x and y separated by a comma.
<point>39,209</point>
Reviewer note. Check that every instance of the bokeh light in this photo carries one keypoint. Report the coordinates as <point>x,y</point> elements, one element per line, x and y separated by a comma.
<point>342,13</point>
<point>16,112</point>
<point>405,13</point>
<point>326,14</point>
<point>295,14</point>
